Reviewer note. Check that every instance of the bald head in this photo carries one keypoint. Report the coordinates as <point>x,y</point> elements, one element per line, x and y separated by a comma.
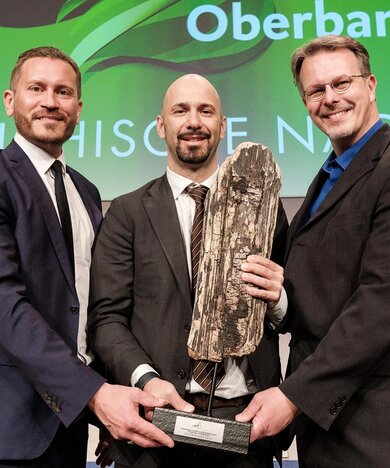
<point>192,124</point>
<point>191,84</point>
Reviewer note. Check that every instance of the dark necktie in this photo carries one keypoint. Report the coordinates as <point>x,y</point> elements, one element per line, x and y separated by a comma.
<point>202,370</point>
<point>63,208</point>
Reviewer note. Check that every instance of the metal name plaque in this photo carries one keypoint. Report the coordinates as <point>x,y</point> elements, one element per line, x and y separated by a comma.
<point>205,431</point>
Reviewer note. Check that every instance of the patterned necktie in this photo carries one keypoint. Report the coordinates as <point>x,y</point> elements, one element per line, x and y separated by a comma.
<point>203,370</point>
<point>63,208</point>
<point>198,194</point>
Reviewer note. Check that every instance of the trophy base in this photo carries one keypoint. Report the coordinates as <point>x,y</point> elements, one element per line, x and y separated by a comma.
<point>204,431</point>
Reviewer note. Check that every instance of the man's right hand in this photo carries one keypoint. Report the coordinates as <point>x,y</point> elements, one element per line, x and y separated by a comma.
<point>166,391</point>
<point>117,408</point>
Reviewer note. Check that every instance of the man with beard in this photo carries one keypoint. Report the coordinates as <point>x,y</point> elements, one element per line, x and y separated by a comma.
<point>141,309</point>
<point>46,381</point>
<point>338,274</point>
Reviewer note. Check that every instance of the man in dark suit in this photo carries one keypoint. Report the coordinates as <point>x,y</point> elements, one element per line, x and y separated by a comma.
<point>337,274</point>
<point>46,382</point>
<point>140,309</point>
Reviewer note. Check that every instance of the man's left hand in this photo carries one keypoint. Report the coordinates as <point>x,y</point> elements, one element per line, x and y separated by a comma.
<point>270,412</point>
<point>265,277</point>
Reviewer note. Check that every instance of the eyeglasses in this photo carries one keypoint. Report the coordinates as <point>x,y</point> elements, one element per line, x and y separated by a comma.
<point>340,85</point>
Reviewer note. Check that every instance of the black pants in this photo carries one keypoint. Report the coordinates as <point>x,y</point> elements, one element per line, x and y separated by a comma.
<point>67,450</point>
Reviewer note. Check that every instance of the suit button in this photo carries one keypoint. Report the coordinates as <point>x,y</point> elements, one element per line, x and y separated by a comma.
<point>181,374</point>
<point>187,327</point>
<point>74,310</point>
<point>57,408</point>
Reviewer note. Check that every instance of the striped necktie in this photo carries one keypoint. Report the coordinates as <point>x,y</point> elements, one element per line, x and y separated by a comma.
<point>198,194</point>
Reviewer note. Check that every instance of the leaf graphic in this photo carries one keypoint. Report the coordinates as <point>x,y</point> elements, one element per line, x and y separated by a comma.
<point>109,29</point>
<point>152,41</point>
<point>68,7</point>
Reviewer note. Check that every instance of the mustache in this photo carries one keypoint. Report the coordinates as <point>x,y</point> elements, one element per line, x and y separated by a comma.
<point>50,115</point>
<point>199,133</point>
<point>326,110</point>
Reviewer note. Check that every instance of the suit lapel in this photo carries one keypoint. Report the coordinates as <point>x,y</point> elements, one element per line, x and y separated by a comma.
<point>360,165</point>
<point>161,210</point>
<point>41,197</point>
<point>94,212</point>
<point>298,221</point>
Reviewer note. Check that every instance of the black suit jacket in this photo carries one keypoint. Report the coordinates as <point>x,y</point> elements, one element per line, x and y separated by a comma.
<point>337,278</point>
<point>140,309</point>
<point>42,382</point>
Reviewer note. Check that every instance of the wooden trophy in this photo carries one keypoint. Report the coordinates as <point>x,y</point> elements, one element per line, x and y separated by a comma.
<point>240,218</point>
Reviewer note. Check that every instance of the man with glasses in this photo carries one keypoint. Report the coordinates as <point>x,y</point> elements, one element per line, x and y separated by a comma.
<point>337,274</point>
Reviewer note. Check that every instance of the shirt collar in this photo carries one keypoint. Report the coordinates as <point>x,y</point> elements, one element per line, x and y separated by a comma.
<point>345,158</point>
<point>178,183</point>
<point>39,158</point>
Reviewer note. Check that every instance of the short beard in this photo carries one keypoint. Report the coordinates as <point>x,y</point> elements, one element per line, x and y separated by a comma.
<point>338,134</point>
<point>24,127</point>
<point>192,157</point>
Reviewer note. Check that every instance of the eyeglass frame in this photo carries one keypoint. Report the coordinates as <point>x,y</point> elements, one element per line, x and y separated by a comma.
<point>350,77</point>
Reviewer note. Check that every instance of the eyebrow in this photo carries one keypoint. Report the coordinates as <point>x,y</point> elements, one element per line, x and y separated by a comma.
<point>43,81</point>
<point>188,104</point>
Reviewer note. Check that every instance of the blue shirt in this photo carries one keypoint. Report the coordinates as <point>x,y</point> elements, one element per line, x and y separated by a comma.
<point>334,167</point>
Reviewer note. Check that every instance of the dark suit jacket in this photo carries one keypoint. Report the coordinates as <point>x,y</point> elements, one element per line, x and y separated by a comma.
<point>337,278</point>
<point>140,291</point>
<point>42,382</point>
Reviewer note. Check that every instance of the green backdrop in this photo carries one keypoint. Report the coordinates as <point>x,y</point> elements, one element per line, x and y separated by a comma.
<point>130,51</point>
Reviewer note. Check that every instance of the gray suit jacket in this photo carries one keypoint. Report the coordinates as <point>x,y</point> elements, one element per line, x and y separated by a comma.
<point>337,279</point>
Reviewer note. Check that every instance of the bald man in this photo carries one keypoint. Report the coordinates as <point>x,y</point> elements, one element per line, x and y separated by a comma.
<point>140,311</point>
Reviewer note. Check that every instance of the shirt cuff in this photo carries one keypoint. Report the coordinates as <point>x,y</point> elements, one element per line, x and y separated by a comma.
<point>276,315</point>
<point>139,372</point>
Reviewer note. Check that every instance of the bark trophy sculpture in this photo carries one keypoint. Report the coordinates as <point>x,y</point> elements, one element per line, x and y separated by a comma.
<point>240,219</point>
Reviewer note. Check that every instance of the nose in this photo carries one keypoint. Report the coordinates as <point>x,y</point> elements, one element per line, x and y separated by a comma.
<point>330,94</point>
<point>50,100</point>
<point>193,120</point>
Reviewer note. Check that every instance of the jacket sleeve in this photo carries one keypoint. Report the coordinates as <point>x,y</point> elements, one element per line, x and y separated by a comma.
<point>112,296</point>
